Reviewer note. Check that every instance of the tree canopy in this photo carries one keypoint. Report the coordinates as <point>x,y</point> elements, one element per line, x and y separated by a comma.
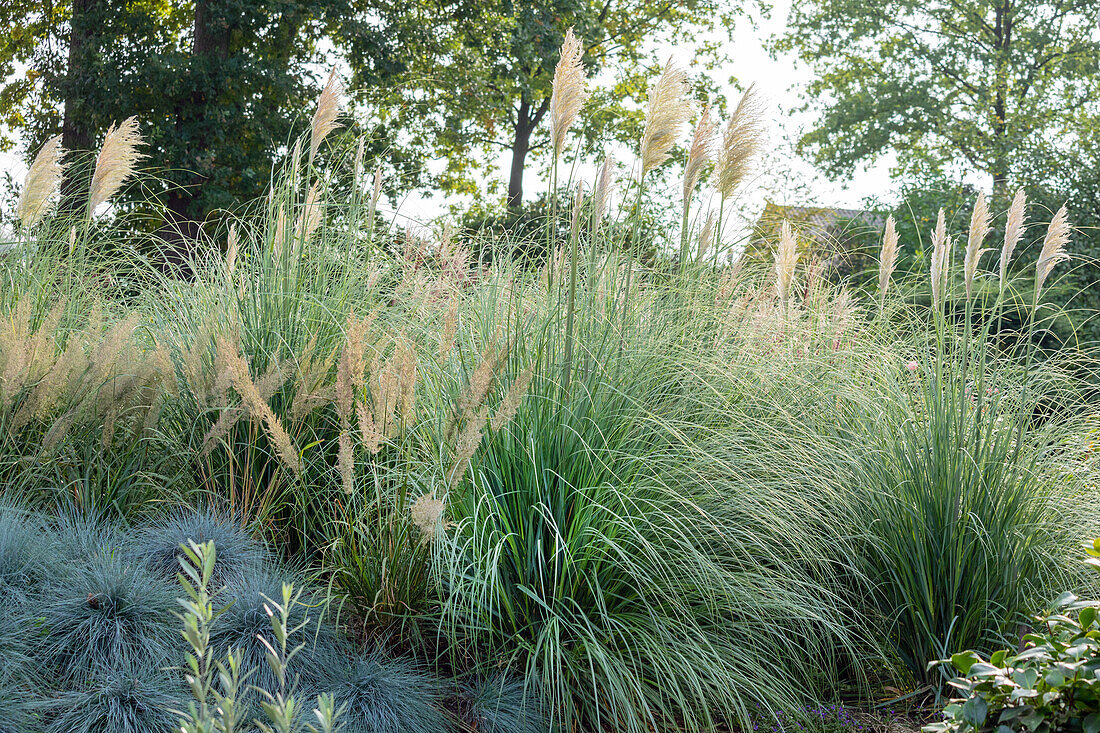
<point>1003,87</point>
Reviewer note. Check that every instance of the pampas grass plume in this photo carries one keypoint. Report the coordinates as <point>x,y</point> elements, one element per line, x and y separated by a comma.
<point>568,93</point>
<point>601,195</point>
<point>1014,231</point>
<point>706,236</point>
<point>116,161</point>
<point>786,258</point>
<point>1054,245</point>
<point>888,259</point>
<point>941,259</point>
<point>702,149</point>
<point>668,109</point>
<point>741,142</point>
<point>979,229</point>
<point>328,109</point>
<point>41,183</point>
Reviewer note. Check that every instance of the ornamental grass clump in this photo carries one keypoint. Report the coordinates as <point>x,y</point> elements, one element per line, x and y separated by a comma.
<point>390,696</point>
<point>104,615</point>
<point>157,545</point>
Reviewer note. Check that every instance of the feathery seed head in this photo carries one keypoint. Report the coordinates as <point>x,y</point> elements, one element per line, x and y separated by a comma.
<point>328,109</point>
<point>741,142</point>
<point>426,513</point>
<point>231,249</point>
<point>786,258</point>
<point>1054,246</point>
<point>1014,231</point>
<point>568,93</point>
<point>888,259</point>
<point>512,400</point>
<point>116,161</point>
<point>310,217</point>
<point>706,236</point>
<point>601,196</point>
<point>668,109</point>
<point>41,183</point>
<point>941,259</point>
<point>979,229</point>
<point>702,149</point>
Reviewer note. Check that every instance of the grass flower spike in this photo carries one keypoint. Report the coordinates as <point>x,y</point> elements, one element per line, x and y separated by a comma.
<point>741,142</point>
<point>1054,246</point>
<point>328,109</point>
<point>116,162</point>
<point>1014,231</point>
<point>667,111</point>
<point>569,94</point>
<point>941,259</point>
<point>786,258</point>
<point>888,259</point>
<point>41,183</point>
<point>702,148</point>
<point>601,195</point>
<point>979,229</point>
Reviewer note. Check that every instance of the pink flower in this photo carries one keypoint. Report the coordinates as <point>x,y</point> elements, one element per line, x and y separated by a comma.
<point>911,366</point>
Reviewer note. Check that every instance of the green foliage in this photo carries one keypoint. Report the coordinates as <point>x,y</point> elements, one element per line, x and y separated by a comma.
<point>992,87</point>
<point>1051,684</point>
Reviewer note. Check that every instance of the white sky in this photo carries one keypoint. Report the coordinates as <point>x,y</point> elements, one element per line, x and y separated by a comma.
<point>781,79</point>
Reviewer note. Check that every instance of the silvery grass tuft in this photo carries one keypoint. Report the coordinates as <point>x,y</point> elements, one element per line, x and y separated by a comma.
<point>116,161</point>
<point>41,183</point>
<point>328,109</point>
<point>888,258</point>
<point>568,92</point>
<point>666,112</point>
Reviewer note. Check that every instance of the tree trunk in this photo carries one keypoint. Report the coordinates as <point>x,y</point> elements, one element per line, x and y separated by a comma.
<point>521,144</point>
<point>1002,35</point>
<point>77,127</point>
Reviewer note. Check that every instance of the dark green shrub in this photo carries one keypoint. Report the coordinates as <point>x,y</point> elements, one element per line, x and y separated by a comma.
<point>1051,686</point>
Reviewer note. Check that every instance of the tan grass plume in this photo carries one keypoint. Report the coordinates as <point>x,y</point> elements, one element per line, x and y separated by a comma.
<point>706,236</point>
<point>601,195</point>
<point>41,183</point>
<point>699,155</point>
<point>1054,248</point>
<point>568,92</point>
<point>668,109</point>
<point>888,258</point>
<point>116,161</point>
<point>741,142</point>
<point>328,109</point>
<point>1014,231</point>
<point>979,230</point>
<point>786,259</point>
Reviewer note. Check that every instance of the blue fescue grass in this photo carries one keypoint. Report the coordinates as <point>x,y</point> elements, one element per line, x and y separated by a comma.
<point>79,538</point>
<point>505,705</point>
<point>106,614</point>
<point>158,544</point>
<point>390,696</point>
<point>24,555</point>
<point>124,700</point>
<point>245,620</point>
